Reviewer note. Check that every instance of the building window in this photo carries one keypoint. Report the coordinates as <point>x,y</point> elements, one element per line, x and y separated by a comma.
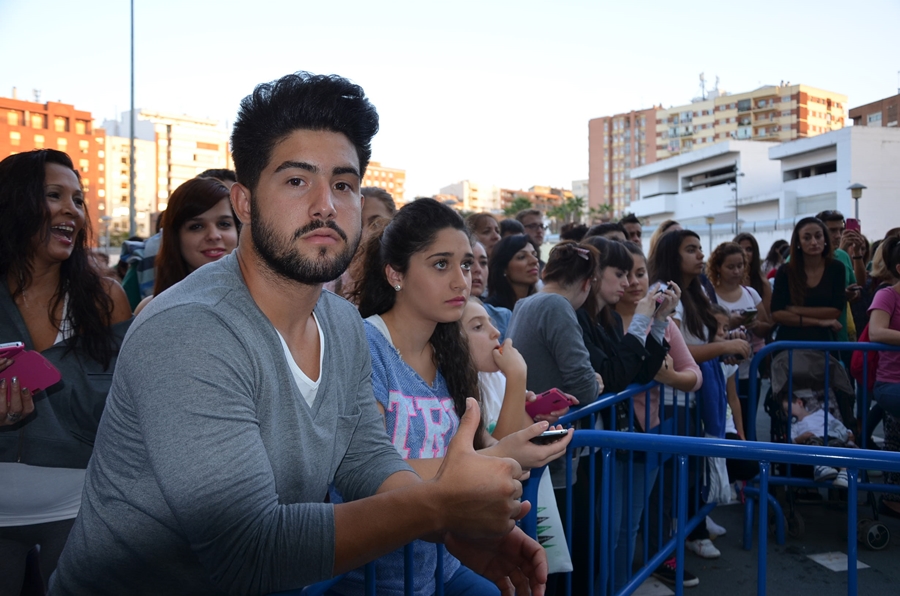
<point>15,138</point>
<point>38,141</point>
<point>15,118</point>
<point>81,127</point>
<point>62,143</point>
<point>61,124</point>
<point>84,165</point>
<point>38,121</point>
<point>874,119</point>
<point>84,146</point>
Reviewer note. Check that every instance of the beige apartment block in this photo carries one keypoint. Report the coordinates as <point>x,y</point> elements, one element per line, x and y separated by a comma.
<point>776,113</point>
<point>118,183</point>
<point>393,180</point>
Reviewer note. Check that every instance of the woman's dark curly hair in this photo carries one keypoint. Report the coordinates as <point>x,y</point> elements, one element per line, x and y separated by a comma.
<point>717,259</point>
<point>24,217</point>
<point>500,292</point>
<point>665,266</point>
<point>414,230</point>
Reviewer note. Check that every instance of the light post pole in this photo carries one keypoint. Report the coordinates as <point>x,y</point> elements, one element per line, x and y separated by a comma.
<point>734,183</point>
<point>856,193</point>
<point>709,222</point>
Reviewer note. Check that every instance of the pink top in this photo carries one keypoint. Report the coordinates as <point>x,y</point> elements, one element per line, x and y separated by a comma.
<point>888,300</point>
<point>682,360</point>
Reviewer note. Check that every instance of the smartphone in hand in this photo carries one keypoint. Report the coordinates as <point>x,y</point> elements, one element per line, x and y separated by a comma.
<point>549,436</point>
<point>9,350</point>
<point>546,402</point>
<point>852,225</point>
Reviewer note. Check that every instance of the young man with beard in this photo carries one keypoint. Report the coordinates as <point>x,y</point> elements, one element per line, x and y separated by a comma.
<point>242,393</point>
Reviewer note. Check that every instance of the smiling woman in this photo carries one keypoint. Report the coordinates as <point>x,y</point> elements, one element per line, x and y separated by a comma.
<point>54,301</point>
<point>199,228</point>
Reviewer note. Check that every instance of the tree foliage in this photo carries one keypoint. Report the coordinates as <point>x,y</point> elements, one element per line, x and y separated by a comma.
<point>520,203</point>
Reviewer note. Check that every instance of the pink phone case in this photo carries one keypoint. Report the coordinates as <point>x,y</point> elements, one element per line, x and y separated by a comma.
<point>10,352</point>
<point>33,370</point>
<point>548,401</point>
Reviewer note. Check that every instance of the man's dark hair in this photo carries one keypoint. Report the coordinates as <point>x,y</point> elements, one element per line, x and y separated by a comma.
<point>220,174</point>
<point>830,215</point>
<point>526,212</point>
<point>299,101</point>
<point>511,227</point>
<point>606,228</point>
<point>630,218</point>
<point>573,231</point>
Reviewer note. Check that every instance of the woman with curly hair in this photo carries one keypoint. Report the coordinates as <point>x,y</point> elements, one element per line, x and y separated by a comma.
<point>484,228</point>
<point>53,300</point>
<point>413,293</point>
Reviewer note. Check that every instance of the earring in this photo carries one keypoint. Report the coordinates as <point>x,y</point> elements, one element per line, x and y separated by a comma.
<point>397,288</point>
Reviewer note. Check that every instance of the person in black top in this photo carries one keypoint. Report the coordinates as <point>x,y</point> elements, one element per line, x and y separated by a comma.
<point>622,357</point>
<point>809,289</point>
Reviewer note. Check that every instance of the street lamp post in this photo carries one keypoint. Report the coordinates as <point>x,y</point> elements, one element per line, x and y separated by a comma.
<point>856,193</point>
<point>734,183</point>
<point>709,222</point>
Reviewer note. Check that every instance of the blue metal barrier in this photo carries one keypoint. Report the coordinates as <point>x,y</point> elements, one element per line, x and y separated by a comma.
<point>766,453</point>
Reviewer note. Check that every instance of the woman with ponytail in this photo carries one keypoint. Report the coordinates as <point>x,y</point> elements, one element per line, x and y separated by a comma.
<point>412,295</point>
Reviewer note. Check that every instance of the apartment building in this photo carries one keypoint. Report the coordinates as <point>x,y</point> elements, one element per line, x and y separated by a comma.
<point>471,196</point>
<point>615,145</point>
<point>118,182</point>
<point>776,113</point>
<point>883,112</point>
<point>393,180</point>
<point>28,125</point>
<point>185,146</point>
<point>543,198</point>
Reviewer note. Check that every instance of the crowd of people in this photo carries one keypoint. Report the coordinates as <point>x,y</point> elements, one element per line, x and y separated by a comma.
<point>254,432</point>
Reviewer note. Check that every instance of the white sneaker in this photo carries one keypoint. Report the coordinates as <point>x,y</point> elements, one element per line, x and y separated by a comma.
<point>841,480</point>
<point>714,529</point>
<point>703,548</point>
<point>822,473</point>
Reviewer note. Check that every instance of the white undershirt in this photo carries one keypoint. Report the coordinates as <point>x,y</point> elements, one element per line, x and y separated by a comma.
<point>308,388</point>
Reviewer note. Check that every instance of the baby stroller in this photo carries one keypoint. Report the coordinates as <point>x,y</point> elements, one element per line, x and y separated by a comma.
<point>808,383</point>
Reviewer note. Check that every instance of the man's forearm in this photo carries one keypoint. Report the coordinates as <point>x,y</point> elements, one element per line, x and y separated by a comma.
<point>364,531</point>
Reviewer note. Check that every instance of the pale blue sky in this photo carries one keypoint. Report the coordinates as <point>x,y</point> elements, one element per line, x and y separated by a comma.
<point>498,92</point>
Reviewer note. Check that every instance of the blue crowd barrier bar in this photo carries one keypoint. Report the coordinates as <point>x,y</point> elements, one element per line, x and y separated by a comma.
<point>765,453</point>
<point>829,348</point>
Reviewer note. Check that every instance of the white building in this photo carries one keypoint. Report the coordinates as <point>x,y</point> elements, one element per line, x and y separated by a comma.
<point>777,184</point>
<point>474,196</point>
<point>185,146</point>
<point>117,182</point>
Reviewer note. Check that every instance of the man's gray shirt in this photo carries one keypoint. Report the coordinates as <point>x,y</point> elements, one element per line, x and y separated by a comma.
<point>210,471</point>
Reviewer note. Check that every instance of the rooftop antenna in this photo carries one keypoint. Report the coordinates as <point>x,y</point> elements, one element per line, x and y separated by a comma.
<point>37,95</point>
<point>702,86</point>
<point>716,88</point>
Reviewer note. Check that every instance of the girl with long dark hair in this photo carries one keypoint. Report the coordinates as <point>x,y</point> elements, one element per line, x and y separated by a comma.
<point>200,228</point>
<point>53,300</point>
<point>679,258</point>
<point>623,357</point>
<point>513,271</point>
<point>727,270</point>
<point>809,290</point>
<point>753,272</point>
<point>414,291</point>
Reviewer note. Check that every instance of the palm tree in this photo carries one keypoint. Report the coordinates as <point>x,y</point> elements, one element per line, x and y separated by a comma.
<point>520,203</point>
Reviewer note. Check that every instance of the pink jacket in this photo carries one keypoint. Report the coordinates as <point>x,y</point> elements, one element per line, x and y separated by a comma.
<point>682,360</point>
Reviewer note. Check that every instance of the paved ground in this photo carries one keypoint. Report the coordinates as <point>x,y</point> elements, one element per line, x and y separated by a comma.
<point>790,569</point>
